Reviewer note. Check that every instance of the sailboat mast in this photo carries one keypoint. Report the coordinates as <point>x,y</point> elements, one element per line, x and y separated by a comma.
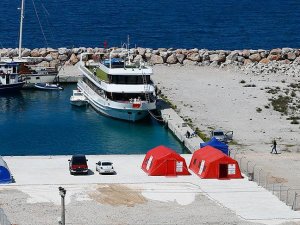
<point>21,29</point>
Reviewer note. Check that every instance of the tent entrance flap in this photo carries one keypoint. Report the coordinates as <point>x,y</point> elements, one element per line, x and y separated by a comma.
<point>223,171</point>
<point>171,167</point>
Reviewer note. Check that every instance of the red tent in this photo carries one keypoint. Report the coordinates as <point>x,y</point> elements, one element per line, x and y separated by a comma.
<point>163,161</point>
<point>209,162</point>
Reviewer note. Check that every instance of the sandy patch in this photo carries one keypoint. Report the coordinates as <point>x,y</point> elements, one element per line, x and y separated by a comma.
<point>116,195</point>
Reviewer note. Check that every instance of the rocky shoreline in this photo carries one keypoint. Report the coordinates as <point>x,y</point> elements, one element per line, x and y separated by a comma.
<point>279,60</point>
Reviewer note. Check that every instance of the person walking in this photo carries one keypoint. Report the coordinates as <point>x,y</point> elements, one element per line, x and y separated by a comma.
<point>274,147</point>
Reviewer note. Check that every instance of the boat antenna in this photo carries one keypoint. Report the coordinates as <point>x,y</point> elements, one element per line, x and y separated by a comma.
<point>21,28</point>
<point>128,44</point>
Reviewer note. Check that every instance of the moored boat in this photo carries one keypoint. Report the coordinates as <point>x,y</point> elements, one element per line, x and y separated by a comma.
<point>78,99</point>
<point>117,87</point>
<point>47,86</point>
<point>29,69</point>
<point>9,78</point>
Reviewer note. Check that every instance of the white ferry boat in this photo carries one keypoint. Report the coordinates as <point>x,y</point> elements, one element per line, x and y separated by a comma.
<point>117,87</point>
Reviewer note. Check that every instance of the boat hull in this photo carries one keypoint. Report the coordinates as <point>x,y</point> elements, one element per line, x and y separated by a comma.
<point>11,87</point>
<point>78,103</point>
<point>47,87</point>
<point>104,107</point>
<point>33,79</point>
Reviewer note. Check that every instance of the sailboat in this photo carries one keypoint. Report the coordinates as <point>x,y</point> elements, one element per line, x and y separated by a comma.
<point>26,67</point>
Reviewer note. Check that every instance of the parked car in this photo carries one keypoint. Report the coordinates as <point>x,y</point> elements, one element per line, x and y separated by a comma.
<point>105,167</point>
<point>78,165</point>
<point>221,136</point>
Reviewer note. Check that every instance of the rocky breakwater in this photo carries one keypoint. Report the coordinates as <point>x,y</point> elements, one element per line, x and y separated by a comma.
<point>279,60</point>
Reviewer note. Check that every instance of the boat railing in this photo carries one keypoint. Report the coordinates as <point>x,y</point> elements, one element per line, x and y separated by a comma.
<point>86,70</point>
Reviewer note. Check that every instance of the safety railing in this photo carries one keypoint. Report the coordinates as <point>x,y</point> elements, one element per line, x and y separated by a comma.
<point>255,172</point>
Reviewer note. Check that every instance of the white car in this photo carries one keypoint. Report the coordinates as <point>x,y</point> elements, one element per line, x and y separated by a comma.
<point>105,167</point>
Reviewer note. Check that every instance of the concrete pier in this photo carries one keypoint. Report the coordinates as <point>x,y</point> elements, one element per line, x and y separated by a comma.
<point>69,74</point>
<point>179,127</point>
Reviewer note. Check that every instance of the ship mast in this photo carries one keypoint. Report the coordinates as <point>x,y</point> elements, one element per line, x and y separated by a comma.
<point>21,29</point>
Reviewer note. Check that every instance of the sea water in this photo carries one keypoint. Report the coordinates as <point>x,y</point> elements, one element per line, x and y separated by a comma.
<point>211,24</point>
<point>39,122</point>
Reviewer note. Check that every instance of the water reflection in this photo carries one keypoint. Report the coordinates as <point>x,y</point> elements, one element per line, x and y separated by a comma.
<point>12,102</point>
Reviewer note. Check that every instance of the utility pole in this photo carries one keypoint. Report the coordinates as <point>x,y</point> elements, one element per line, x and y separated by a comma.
<point>62,193</point>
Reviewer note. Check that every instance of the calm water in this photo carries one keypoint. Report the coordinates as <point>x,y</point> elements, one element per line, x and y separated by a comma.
<point>44,123</point>
<point>212,24</point>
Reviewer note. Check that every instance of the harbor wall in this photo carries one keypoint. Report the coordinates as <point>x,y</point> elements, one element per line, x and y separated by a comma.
<point>179,128</point>
<point>279,60</point>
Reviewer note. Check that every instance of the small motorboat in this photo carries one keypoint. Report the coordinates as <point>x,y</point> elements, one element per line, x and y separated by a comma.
<point>47,86</point>
<point>78,99</point>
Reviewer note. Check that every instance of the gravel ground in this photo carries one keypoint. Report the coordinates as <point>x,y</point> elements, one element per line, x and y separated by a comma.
<point>201,211</point>
<point>214,98</point>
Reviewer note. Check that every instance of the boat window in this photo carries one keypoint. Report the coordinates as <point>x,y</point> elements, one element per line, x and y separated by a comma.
<point>121,79</point>
<point>37,78</point>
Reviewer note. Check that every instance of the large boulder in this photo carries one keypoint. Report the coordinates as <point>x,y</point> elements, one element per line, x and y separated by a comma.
<point>43,52</point>
<point>172,59</point>
<point>54,63</point>
<point>48,58</point>
<point>247,62</point>
<point>264,61</point>
<point>276,51</point>
<point>291,56</point>
<point>26,52</point>
<point>180,57</point>
<point>63,57</point>
<point>264,54</point>
<point>194,56</point>
<point>76,50</point>
<point>3,52</point>
<point>138,58</point>
<point>63,51</point>
<point>240,59</point>
<point>148,55</point>
<point>54,55</point>
<point>246,53</point>
<point>273,57</point>
<point>13,52</point>
<point>214,57</point>
<point>255,57</point>
<point>164,55</point>
<point>156,59</point>
<point>73,59</point>
<point>233,56</point>
<point>189,62</point>
<point>141,51</point>
<point>35,53</point>
<point>285,51</point>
